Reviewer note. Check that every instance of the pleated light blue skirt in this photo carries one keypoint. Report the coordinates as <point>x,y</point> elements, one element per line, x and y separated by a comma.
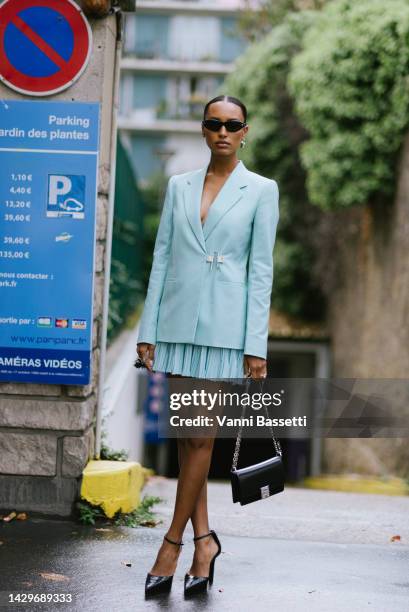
<point>198,361</point>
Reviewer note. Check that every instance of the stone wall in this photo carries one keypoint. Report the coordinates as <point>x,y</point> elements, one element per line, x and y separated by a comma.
<point>364,267</point>
<point>46,431</point>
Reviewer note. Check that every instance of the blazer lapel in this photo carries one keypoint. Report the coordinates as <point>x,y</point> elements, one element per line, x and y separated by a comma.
<point>192,194</point>
<point>231,193</point>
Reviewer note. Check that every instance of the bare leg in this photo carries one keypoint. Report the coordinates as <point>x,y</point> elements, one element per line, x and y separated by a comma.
<point>205,548</point>
<point>191,502</point>
<point>192,477</point>
<point>199,518</point>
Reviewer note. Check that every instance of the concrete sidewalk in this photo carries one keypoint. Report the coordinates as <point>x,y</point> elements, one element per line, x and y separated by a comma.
<point>302,550</point>
<point>299,514</point>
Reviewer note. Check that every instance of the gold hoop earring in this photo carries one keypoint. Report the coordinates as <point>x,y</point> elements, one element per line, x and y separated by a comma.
<point>242,143</point>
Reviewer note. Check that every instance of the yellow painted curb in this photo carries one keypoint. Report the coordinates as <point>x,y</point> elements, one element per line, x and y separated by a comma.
<point>358,484</point>
<point>113,485</point>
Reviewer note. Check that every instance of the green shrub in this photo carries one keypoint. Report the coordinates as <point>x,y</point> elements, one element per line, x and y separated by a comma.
<point>350,84</point>
<point>142,516</point>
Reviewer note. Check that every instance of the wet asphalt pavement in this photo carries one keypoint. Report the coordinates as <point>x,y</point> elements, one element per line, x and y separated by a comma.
<point>264,565</point>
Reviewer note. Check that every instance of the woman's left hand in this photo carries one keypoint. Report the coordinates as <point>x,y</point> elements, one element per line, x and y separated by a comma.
<point>255,367</point>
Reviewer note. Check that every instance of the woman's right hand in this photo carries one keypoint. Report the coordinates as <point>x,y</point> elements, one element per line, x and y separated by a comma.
<point>146,352</point>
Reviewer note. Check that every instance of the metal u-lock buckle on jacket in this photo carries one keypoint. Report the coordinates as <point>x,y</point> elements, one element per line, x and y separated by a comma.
<point>215,257</point>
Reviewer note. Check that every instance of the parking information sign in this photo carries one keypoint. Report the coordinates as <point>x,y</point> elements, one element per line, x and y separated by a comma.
<point>45,45</point>
<point>48,188</point>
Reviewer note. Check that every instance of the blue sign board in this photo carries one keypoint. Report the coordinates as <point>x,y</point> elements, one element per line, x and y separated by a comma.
<point>48,188</point>
<point>155,406</point>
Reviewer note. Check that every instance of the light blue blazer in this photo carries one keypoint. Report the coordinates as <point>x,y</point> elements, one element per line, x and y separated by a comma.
<point>211,284</point>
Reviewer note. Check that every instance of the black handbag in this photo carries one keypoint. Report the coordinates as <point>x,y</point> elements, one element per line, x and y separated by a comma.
<point>260,480</point>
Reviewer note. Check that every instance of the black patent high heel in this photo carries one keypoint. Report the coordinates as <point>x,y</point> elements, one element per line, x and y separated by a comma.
<point>198,584</point>
<point>159,584</point>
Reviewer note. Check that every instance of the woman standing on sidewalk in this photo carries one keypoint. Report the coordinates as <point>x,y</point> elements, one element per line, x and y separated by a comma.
<point>207,308</point>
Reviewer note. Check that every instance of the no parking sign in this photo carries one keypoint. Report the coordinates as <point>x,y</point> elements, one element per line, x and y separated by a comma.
<point>45,45</point>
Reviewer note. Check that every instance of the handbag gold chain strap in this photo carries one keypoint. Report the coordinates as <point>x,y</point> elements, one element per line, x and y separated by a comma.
<point>277,446</point>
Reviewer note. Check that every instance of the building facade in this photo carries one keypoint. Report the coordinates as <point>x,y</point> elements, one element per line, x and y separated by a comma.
<point>176,56</point>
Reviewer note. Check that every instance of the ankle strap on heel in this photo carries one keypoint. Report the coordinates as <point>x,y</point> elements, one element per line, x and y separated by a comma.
<point>203,536</point>
<point>173,542</point>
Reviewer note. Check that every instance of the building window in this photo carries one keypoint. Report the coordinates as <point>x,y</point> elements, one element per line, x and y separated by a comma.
<point>146,36</point>
<point>149,91</point>
<point>231,43</point>
<point>187,95</point>
<point>194,38</point>
<point>145,154</point>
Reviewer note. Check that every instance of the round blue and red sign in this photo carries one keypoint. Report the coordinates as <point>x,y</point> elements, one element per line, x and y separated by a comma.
<point>45,45</point>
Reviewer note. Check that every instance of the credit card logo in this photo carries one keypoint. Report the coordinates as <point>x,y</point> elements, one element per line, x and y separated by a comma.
<point>44,322</point>
<point>63,323</point>
<point>79,324</point>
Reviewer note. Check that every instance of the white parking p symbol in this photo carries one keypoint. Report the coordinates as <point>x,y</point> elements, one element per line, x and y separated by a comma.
<point>59,185</point>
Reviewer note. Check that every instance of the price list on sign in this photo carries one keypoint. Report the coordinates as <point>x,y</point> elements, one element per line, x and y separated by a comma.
<point>17,211</point>
<point>48,185</point>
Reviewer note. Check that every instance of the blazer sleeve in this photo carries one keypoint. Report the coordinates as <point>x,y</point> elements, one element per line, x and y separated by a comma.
<point>149,319</point>
<point>260,271</point>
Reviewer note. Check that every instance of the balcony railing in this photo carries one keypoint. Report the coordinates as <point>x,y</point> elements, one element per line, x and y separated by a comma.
<point>152,53</point>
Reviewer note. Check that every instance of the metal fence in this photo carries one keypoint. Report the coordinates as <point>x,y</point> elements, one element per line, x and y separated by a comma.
<point>126,285</point>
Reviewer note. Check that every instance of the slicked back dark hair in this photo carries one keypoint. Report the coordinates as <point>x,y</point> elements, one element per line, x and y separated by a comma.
<point>227,99</point>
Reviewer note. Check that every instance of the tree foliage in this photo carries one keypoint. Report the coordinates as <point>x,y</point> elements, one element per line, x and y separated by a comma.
<point>255,23</point>
<point>350,84</point>
<point>327,94</point>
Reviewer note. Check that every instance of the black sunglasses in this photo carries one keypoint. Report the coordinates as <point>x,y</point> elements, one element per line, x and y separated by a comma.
<point>214,125</point>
